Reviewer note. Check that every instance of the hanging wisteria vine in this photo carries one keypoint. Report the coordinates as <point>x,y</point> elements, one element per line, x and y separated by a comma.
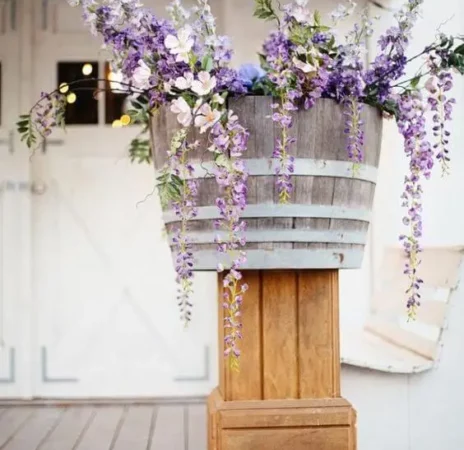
<point>183,67</point>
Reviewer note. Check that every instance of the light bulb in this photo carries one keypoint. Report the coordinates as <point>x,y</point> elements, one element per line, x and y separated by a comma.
<point>64,88</point>
<point>125,119</point>
<point>71,98</point>
<point>87,69</point>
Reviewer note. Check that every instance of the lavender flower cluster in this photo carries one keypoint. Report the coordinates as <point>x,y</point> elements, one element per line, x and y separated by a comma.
<point>412,125</point>
<point>304,63</point>
<point>230,142</point>
<point>182,64</point>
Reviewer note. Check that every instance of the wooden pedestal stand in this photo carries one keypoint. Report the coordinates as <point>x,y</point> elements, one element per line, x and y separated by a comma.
<point>287,393</point>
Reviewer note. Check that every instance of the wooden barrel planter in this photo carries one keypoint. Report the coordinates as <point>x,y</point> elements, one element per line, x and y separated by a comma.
<point>287,393</point>
<point>326,223</point>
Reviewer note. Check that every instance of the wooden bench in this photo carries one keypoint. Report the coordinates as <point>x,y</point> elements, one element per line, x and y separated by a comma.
<point>391,343</point>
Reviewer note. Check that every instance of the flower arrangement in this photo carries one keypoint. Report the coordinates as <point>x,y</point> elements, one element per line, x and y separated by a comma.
<point>183,64</point>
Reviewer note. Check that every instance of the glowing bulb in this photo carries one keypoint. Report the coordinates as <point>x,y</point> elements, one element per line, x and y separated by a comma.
<point>117,124</point>
<point>64,88</point>
<point>87,69</point>
<point>125,119</point>
<point>71,98</point>
<point>115,78</point>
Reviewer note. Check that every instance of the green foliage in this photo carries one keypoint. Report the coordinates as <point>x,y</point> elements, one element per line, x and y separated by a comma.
<point>264,10</point>
<point>456,60</point>
<point>415,81</point>
<point>207,63</point>
<point>389,107</point>
<point>455,57</point>
<point>170,188</point>
<point>140,111</point>
<point>301,34</point>
<point>27,130</point>
<point>140,150</point>
<point>263,87</point>
<point>59,105</point>
<point>459,49</point>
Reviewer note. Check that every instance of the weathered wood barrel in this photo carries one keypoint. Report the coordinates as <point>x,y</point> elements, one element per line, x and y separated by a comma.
<point>326,223</point>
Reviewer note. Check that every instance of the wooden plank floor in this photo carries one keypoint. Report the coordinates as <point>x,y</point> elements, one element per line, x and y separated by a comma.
<point>101,427</point>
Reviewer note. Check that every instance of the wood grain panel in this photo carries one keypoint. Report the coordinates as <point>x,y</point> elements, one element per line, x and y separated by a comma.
<point>319,348</point>
<point>246,384</point>
<point>293,417</point>
<point>280,335</point>
<point>294,439</point>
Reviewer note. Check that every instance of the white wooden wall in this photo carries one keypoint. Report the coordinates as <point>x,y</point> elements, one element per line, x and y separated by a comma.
<point>417,412</point>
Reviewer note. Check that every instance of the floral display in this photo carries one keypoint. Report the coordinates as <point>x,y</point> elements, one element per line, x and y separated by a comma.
<point>183,64</point>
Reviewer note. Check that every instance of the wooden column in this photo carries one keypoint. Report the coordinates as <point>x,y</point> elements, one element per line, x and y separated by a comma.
<point>287,393</point>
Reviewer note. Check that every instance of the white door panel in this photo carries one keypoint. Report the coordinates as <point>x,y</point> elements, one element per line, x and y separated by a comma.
<point>108,319</point>
<point>15,366</point>
<point>104,287</point>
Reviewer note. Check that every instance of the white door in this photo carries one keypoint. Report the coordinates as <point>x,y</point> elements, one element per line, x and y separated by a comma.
<point>104,295</point>
<point>14,217</point>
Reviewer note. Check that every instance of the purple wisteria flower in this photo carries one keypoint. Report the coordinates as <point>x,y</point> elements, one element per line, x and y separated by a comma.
<point>184,66</point>
<point>412,125</point>
<point>230,142</point>
<point>389,65</point>
<point>438,86</point>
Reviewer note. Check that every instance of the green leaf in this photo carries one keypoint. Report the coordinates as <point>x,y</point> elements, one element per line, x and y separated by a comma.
<point>415,81</point>
<point>300,34</point>
<point>26,130</point>
<point>207,63</point>
<point>140,151</point>
<point>265,11</point>
<point>460,49</point>
<point>317,17</point>
<point>456,60</point>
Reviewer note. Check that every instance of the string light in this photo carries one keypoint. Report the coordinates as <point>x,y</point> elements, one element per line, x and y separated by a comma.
<point>125,119</point>
<point>64,88</point>
<point>71,98</point>
<point>117,124</point>
<point>87,69</point>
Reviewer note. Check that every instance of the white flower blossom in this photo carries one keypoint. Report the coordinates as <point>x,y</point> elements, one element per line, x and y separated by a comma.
<point>167,87</point>
<point>232,117</point>
<point>180,45</point>
<point>206,117</point>
<point>204,85</point>
<point>141,76</point>
<point>304,66</point>
<point>300,14</point>
<point>218,99</point>
<point>342,11</point>
<point>183,111</point>
<point>185,82</point>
